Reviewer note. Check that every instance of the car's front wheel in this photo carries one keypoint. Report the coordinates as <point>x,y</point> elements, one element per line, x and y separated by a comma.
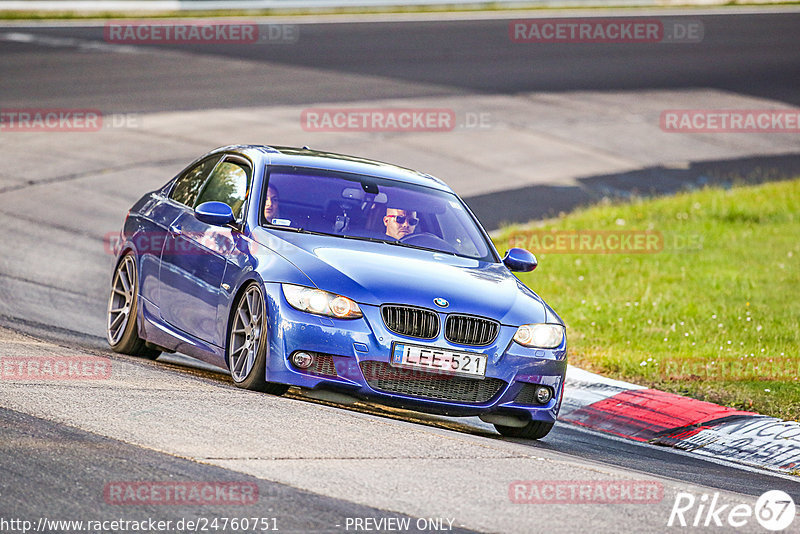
<point>122,329</point>
<point>533,430</point>
<point>247,343</point>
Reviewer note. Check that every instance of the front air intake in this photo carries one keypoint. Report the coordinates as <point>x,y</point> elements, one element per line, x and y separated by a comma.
<point>470,330</point>
<point>383,377</point>
<point>410,321</point>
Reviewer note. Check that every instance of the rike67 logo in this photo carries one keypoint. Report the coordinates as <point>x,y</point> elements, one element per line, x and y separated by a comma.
<point>774,510</point>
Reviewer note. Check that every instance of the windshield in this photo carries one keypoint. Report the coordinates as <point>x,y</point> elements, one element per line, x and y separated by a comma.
<point>365,207</point>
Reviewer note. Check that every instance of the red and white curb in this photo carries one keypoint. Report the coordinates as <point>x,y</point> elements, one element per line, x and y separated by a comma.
<point>703,428</point>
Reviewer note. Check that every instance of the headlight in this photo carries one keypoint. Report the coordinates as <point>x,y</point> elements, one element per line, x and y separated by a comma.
<point>543,336</point>
<point>320,302</point>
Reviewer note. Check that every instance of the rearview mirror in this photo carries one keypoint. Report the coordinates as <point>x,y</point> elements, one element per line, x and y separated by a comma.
<point>520,260</point>
<point>213,212</point>
<point>353,193</point>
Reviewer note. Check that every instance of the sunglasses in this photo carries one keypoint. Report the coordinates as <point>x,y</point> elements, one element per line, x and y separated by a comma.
<point>401,219</point>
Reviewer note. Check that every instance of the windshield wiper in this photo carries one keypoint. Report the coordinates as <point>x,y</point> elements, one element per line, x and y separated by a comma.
<point>396,243</point>
<point>294,229</point>
<point>419,247</point>
<point>364,238</point>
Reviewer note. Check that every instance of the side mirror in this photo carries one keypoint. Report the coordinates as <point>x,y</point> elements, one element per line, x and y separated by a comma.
<point>519,259</point>
<point>216,213</point>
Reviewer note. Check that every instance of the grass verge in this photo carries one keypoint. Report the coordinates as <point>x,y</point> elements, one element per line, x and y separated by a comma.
<point>711,310</point>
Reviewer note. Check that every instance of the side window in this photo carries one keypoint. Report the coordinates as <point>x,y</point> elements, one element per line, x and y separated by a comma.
<point>188,185</point>
<point>229,183</point>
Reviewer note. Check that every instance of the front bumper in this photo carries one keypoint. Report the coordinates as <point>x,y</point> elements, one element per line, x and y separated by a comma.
<point>356,353</point>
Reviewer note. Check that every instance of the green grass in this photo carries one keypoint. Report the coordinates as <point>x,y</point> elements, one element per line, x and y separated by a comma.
<point>714,315</point>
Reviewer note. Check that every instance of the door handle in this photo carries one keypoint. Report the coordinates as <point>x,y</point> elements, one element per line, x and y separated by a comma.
<point>175,229</point>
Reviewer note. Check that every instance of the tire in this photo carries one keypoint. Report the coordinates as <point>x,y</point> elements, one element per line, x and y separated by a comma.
<point>533,430</point>
<point>122,333</point>
<point>247,343</point>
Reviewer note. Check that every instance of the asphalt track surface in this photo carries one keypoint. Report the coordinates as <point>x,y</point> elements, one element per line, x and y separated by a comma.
<point>50,479</point>
<point>757,55</point>
<point>754,54</point>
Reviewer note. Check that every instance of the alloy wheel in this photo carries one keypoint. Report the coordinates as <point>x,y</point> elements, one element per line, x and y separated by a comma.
<point>246,333</point>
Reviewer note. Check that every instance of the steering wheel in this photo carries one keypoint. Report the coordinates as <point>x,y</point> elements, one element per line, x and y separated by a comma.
<point>428,240</point>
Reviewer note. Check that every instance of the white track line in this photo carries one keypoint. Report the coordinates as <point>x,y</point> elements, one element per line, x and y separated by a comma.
<point>333,18</point>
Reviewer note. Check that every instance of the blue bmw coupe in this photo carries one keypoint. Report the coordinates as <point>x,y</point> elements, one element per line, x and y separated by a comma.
<point>339,275</point>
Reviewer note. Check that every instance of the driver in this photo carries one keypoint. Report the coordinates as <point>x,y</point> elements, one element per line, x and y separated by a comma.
<point>400,223</point>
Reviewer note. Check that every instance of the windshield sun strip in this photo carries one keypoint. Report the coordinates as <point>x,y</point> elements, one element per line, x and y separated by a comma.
<point>362,179</point>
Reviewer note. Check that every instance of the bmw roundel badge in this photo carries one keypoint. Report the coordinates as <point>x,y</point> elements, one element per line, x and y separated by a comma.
<point>442,303</point>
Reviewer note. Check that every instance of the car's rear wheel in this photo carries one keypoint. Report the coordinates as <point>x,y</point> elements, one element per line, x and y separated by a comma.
<point>247,343</point>
<point>533,430</point>
<point>122,330</point>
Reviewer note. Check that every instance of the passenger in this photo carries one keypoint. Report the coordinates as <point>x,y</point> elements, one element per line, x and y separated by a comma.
<point>400,223</point>
<point>271,205</point>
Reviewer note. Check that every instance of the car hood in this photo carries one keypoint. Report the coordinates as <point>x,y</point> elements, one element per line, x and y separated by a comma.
<point>379,273</point>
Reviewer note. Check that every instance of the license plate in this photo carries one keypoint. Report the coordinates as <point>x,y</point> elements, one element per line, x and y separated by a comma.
<point>439,360</point>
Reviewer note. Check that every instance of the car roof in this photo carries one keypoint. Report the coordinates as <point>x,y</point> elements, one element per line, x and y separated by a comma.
<point>318,159</point>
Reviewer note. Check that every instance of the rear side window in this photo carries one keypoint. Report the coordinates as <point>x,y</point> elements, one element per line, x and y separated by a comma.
<point>188,186</point>
<point>229,183</point>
